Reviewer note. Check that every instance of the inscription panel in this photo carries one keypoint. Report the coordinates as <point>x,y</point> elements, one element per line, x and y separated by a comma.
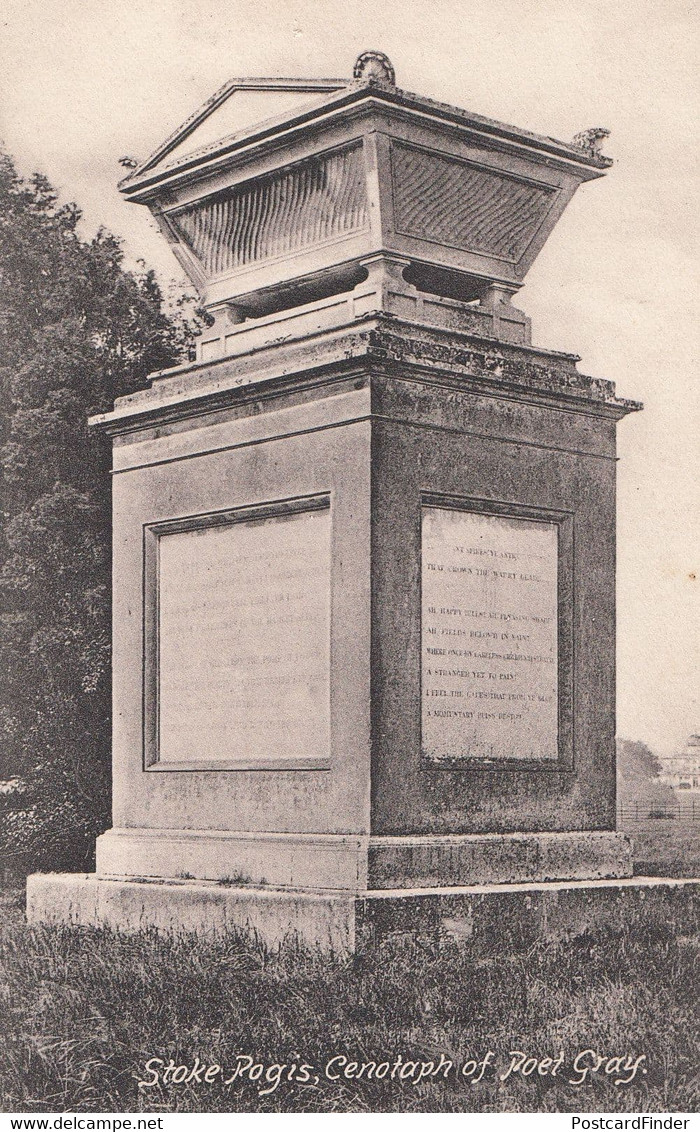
<point>489,657</point>
<point>244,641</point>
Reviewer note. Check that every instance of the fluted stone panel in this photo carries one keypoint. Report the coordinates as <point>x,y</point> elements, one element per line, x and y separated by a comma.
<point>305,204</point>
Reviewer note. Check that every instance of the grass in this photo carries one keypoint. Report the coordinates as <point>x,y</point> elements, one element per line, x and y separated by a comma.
<point>84,1010</point>
<point>665,848</point>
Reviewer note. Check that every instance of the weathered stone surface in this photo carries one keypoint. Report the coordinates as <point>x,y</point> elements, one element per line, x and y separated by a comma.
<point>507,858</point>
<point>173,906</point>
<point>284,860</point>
<point>501,919</point>
<point>336,862</point>
<point>379,343</point>
<point>374,417</point>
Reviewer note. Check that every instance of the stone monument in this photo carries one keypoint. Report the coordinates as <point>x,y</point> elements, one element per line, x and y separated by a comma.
<point>364,545</point>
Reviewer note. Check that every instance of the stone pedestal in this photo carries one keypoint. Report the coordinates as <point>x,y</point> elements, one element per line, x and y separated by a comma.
<point>315,468</point>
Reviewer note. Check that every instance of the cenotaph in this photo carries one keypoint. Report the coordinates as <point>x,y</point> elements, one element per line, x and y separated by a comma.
<point>364,545</point>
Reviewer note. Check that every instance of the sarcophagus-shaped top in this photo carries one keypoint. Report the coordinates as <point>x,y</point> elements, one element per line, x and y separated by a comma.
<point>277,192</point>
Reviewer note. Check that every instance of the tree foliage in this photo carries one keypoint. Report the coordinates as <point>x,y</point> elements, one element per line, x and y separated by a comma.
<point>76,331</point>
<point>638,771</point>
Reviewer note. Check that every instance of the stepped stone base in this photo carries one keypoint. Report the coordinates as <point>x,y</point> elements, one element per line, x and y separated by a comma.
<point>496,858</point>
<point>354,862</point>
<point>502,918</point>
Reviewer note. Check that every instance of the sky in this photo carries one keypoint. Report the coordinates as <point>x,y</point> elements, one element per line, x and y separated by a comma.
<point>84,82</point>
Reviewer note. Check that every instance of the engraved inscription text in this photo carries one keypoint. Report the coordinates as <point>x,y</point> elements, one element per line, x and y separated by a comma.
<point>489,636</point>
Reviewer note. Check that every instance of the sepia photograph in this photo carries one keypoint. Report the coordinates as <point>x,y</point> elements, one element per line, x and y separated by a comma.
<point>349,723</point>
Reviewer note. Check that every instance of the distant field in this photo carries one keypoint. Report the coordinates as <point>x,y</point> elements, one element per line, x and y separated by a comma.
<point>665,848</point>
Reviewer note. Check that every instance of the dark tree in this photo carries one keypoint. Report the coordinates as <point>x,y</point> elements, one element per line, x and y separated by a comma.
<point>76,331</point>
<point>638,771</point>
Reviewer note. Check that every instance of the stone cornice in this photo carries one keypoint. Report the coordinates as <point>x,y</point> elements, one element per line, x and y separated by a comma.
<point>376,343</point>
<point>151,174</point>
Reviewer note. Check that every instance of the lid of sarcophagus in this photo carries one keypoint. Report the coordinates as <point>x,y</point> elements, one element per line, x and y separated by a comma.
<point>237,107</point>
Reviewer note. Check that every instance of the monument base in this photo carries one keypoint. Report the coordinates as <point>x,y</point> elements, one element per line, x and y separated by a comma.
<point>354,862</point>
<point>449,860</point>
<point>503,918</point>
